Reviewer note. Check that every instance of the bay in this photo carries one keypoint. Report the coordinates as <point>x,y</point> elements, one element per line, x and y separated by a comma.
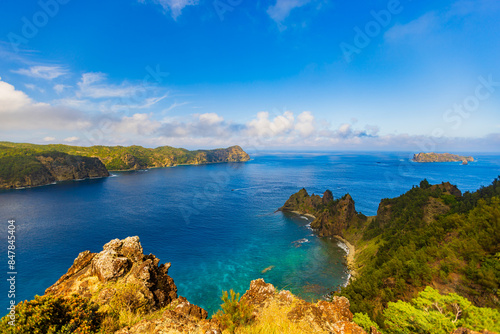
<point>217,223</point>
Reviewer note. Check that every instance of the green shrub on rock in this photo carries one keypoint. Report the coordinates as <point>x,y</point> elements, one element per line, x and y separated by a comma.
<point>234,313</point>
<point>51,315</point>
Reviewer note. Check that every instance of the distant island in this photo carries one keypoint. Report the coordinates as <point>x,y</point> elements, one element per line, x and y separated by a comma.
<point>441,157</point>
<point>31,165</point>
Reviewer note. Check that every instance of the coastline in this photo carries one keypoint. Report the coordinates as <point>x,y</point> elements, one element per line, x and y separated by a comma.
<point>351,249</point>
<point>349,256</point>
<point>153,167</point>
<point>303,214</point>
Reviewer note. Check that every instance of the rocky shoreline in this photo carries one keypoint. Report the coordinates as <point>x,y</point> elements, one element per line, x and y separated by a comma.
<point>350,256</point>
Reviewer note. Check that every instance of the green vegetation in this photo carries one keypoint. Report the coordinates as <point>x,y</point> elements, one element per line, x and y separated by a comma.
<point>363,320</point>
<point>14,168</point>
<point>51,315</point>
<point>409,246</point>
<point>235,312</point>
<point>131,157</point>
<point>126,307</point>
<point>433,313</point>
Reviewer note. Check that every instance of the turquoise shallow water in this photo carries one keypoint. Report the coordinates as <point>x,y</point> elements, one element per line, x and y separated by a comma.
<point>216,224</point>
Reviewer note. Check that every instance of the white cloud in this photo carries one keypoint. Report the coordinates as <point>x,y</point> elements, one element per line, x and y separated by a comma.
<point>211,118</point>
<point>421,26</point>
<point>280,11</point>
<point>33,87</point>
<point>43,72</point>
<point>19,111</point>
<point>345,130</point>
<point>209,125</point>
<point>262,126</point>
<point>149,102</point>
<point>92,85</point>
<point>138,124</point>
<point>305,124</point>
<point>49,139</point>
<point>59,88</point>
<point>12,99</point>
<point>71,139</point>
<point>174,7</point>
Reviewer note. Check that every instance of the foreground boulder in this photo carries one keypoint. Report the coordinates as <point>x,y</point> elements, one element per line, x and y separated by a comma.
<point>120,266</point>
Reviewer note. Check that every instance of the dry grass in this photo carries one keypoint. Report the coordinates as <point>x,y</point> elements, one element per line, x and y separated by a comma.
<point>273,320</point>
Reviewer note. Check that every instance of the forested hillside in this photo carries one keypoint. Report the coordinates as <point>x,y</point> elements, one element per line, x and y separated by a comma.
<point>430,236</point>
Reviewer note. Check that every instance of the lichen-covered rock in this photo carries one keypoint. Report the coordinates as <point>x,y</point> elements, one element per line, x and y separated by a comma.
<point>121,264</point>
<point>330,317</point>
<point>259,292</point>
<point>188,309</point>
<point>173,322</point>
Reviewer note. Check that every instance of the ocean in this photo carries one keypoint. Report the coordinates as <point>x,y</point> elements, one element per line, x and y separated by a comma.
<point>217,224</point>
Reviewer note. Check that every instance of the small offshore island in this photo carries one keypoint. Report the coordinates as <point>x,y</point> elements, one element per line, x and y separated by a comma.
<point>30,165</point>
<point>441,157</point>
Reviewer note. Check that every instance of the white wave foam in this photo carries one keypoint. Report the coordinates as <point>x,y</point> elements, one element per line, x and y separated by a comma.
<point>343,246</point>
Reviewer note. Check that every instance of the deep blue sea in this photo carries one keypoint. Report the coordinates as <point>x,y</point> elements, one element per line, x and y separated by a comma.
<point>217,223</point>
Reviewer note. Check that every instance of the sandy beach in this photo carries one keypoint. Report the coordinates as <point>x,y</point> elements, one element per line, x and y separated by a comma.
<point>349,256</point>
<point>304,214</point>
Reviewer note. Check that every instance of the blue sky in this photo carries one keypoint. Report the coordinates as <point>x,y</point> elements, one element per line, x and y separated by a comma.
<point>288,74</point>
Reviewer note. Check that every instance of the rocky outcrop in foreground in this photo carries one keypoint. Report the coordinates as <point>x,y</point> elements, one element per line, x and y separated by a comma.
<point>441,157</point>
<point>121,270</point>
<point>332,216</point>
<point>121,265</point>
<point>321,317</point>
<point>42,169</point>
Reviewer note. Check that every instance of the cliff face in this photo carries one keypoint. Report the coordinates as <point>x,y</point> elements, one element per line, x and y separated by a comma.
<point>441,157</point>
<point>230,154</point>
<point>44,169</point>
<point>333,217</point>
<point>121,270</point>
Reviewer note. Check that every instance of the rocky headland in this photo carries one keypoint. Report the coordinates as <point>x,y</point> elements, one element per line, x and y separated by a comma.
<point>29,165</point>
<point>441,157</point>
<point>331,216</point>
<point>46,168</point>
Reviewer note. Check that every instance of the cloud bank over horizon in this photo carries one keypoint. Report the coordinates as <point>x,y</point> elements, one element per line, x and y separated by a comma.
<point>68,121</point>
